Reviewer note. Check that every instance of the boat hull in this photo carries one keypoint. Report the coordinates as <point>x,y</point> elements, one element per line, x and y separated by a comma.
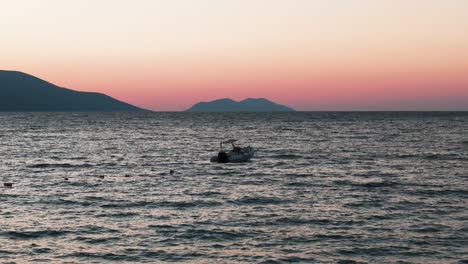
<point>244,155</point>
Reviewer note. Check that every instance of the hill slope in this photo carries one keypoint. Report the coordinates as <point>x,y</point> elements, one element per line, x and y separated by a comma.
<point>20,92</point>
<point>247,105</point>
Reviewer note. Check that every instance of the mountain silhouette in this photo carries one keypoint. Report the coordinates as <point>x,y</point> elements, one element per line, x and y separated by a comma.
<point>21,92</point>
<point>247,105</point>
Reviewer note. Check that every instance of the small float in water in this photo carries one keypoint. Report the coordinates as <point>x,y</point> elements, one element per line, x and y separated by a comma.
<point>237,154</point>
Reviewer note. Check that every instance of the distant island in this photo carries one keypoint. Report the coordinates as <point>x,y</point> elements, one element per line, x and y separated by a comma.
<point>247,105</point>
<point>21,92</point>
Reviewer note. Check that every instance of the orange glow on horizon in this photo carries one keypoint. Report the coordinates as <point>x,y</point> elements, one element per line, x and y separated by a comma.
<point>308,54</point>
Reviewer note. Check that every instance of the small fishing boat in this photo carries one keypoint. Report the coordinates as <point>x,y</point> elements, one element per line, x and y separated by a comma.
<point>237,154</point>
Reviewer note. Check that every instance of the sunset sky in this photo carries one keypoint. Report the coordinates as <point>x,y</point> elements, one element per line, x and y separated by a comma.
<point>309,54</point>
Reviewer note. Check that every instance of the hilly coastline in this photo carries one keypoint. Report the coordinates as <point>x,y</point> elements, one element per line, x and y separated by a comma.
<point>247,105</point>
<point>21,92</point>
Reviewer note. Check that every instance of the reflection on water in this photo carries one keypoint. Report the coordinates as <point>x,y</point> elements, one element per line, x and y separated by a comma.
<point>323,187</point>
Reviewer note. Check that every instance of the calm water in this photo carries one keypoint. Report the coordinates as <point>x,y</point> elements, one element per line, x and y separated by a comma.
<point>323,188</point>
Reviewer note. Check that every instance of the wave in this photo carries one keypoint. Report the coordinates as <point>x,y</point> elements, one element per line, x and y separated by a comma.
<point>259,200</point>
<point>33,234</point>
<point>213,235</point>
<point>436,193</point>
<point>378,184</point>
<point>433,228</point>
<point>374,174</point>
<point>150,204</point>
<point>371,251</point>
<point>287,156</point>
<point>428,156</point>
<point>303,184</point>
<point>331,236</point>
<point>163,255</point>
<point>71,158</point>
<point>94,240</point>
<point>41,250</point>
<point>59,165</point>
<point>373,184</point>
<point>296,259</point>
<point>6,252</point>
<point>82,184</point>
<point>407,156</point>
<point>96,230</point>
<point>365,204</point>
<point>118,215</point>
<point>186,231</point>
<point>126,204</point>
<point>102,256</point>
<point>208,194</point>
<point>440,156</point>
<point>184,204</point>
<point>62,201</point>
<point>164,226</point>
<point>292,128</point>
<point>300,221</point>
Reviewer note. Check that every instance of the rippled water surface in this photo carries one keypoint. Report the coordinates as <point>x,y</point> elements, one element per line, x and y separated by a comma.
<point>323,188</point>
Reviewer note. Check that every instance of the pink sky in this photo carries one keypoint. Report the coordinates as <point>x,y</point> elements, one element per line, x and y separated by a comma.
<point>308,54</point>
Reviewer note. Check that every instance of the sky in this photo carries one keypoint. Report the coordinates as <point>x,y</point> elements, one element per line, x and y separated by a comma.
<point>312,55</point>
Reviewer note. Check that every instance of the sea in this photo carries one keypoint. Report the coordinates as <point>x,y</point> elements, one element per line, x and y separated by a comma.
<point>323,187</point>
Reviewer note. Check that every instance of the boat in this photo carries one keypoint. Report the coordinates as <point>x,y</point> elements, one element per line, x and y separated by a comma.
<point>237,154</point>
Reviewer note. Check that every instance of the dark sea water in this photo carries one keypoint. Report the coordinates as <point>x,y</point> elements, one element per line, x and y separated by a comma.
<point>322,188</point>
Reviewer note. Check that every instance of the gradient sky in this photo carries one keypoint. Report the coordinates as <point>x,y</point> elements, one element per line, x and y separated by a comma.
<point>309,54</point>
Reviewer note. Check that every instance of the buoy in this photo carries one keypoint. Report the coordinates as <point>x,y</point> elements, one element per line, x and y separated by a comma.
<point>8,184</point>
<point>66,179</point>
<point>171,172</point>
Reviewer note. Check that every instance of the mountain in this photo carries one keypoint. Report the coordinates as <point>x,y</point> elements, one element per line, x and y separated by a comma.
<point>247,105</point>
<point>21,92</point>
